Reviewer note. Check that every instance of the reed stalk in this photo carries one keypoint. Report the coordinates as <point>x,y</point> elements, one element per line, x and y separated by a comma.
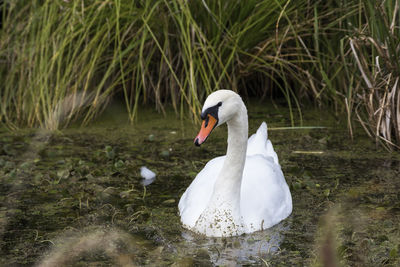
<point>64,60</point>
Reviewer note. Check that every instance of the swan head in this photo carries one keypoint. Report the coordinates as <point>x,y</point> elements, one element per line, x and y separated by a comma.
<point>219,107</point>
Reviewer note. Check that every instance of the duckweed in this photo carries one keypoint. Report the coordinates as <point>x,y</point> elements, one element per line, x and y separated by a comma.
<point>83,185</point>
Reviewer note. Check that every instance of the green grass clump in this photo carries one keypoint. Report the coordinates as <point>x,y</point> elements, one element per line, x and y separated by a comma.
<point>358,50</point>
<point>63,60</point>
<point>376,50</point>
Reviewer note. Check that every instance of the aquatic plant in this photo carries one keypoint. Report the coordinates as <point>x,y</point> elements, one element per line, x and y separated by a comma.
<point>62,195</point>
<point>64,60</point>
<point>376,50</point>
<point>356,48</point>
<point>61,67</point>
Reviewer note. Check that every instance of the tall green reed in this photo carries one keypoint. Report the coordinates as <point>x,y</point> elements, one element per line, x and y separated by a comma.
<point>61,61</point>
<point>65,59</point>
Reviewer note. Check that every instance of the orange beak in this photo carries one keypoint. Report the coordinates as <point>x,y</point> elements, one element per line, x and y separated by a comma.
<point>206,128</point>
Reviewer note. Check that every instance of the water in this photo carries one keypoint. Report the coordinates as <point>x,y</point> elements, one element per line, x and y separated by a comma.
<point>76,196</point>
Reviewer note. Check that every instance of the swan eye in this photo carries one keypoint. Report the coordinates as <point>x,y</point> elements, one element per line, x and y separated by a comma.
<point>219,104</point>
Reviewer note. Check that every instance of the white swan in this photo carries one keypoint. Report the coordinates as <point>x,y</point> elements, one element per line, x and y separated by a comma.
<point>242,192</point>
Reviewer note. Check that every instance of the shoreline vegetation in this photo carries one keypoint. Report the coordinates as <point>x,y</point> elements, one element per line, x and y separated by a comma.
<point>64,60</point>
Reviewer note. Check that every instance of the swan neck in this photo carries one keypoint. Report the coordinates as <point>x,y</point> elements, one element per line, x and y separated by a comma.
<point>237,140</point>
<point>230,177</point>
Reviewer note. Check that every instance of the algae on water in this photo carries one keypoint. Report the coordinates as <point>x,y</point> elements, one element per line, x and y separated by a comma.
<point>71,190</point>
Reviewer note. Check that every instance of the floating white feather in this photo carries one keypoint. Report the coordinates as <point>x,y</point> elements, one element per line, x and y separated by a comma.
<point>146,173</point>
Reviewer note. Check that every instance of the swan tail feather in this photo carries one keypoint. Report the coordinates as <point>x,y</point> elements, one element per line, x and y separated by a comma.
<point>259,144</point>
<point>263,130</point>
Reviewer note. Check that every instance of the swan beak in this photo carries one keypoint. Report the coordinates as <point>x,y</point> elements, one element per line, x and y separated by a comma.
<point>206,128</point>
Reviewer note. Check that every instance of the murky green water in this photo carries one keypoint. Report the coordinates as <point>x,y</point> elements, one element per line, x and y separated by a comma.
<point>76,196</point>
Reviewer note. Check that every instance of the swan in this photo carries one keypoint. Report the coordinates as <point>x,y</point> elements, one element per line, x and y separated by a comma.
<point>245,190</point>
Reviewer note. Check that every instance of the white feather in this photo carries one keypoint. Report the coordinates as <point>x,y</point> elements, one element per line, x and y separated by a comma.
<point>146,173</point>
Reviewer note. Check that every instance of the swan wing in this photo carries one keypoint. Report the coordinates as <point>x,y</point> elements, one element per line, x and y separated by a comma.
<point>265,195</point>
<point>197,196</point>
